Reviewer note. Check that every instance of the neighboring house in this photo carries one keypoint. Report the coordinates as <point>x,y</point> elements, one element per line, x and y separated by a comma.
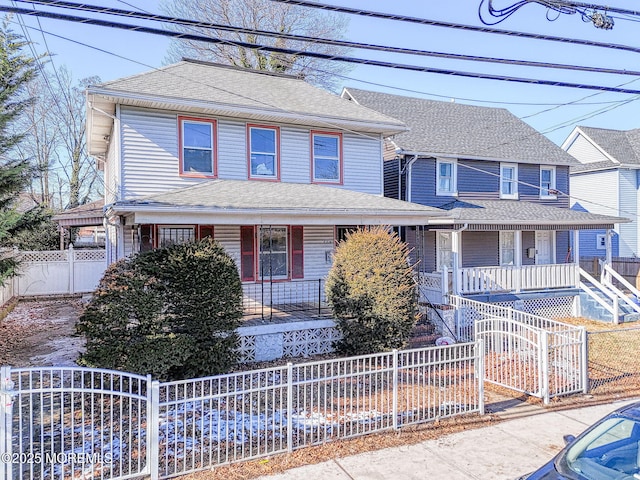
<point>275,169</point>
<point>606,180</point>
<point>88,219</point>
<point>504,183</point>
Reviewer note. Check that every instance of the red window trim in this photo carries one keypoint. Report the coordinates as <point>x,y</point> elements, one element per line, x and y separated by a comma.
<point>340,181</point>
<point>276,178</point>
<point>291,254</point>
<point>214,139</point>
<point>201,227</point>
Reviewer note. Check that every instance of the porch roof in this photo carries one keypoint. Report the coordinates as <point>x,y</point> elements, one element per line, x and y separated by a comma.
<point>87,215</point>
<point>258,202</point>
<point>522,215</point>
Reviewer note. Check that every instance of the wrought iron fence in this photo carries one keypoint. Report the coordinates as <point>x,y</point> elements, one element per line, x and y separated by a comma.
<point>269,298</point>
<point>84,423</point>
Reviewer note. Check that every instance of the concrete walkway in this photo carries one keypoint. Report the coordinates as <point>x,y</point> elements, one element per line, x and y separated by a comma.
<point>528,438</point>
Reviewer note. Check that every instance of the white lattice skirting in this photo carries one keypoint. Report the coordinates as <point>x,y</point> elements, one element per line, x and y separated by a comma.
<point>293,340</point>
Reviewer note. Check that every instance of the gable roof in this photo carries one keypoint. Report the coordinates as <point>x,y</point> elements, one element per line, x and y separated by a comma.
<point>222,90</point>
<point>256,202</point>
<point>621,146</point>
<point>457,130</point>
<point>482,214</point>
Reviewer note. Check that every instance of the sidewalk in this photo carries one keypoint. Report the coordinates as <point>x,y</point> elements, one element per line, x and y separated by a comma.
<point>528,438</point>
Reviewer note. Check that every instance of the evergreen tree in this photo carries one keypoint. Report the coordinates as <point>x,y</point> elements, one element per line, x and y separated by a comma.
<point>16,71</point>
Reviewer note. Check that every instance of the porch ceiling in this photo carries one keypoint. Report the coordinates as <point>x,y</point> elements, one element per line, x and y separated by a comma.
<point>254,202</point>
<point>521,215</point>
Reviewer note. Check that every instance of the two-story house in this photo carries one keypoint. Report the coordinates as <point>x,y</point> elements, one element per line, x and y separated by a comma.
<point>275,169</point>
<point>506,186</point>
<point>606,180</point>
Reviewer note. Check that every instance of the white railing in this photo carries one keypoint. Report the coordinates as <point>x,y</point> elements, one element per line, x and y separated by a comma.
<point>57,272</point>
<point>608,274</point>
<point>517,279</point>
<point>528,353</point>
<point>614,307</point>
<point>89,423</point>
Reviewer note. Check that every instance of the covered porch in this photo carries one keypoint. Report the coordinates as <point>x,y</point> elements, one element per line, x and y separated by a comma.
<point>503,247</point>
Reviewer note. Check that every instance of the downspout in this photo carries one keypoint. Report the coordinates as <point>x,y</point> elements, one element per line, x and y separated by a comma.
<point>406,170</point>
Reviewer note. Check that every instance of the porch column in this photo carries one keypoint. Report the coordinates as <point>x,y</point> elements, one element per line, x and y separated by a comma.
<point>517,240</point>
<point>456,260</point>
<point>576,257</point>
<point>608,238</point>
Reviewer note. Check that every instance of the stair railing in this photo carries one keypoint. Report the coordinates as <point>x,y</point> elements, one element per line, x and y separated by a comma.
<point>614,308</point>
<point>607,273</point>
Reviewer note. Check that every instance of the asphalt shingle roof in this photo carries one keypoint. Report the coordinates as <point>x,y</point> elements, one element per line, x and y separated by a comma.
<point>621,145</point>
<point>272,196</point>
<point>500,212</point>
<point>456,129</point>
<point>191,80</point>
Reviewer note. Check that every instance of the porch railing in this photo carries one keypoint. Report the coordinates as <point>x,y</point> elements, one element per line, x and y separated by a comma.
<point>267,298</point>
<point>517,279</point>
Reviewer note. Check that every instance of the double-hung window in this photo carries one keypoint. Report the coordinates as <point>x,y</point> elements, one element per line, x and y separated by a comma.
<point>264,162</point>
<point>547,182</point>
<point>446,177</point>
<point>507,247</point>
<point>509,180</point>
<point>326,157</point>
<point>444,250</point>
<point>271,252</point>
<point>197,147</point>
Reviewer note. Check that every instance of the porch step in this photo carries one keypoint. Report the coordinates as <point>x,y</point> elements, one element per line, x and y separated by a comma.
<point>590,308</point>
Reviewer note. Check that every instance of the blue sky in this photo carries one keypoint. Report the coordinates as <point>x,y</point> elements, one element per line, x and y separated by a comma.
<point>544,107</point>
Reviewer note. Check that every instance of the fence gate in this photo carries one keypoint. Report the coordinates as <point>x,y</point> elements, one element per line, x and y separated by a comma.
<point>542,362</point>
<point>60,423</point>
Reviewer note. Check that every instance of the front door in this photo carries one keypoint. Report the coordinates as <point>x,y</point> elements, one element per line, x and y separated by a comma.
<point>544,247</point>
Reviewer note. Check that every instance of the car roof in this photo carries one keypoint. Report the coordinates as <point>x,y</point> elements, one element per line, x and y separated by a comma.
<point>632,411</point>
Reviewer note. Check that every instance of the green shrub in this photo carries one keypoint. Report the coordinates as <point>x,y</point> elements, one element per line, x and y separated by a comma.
<point>170,312</point>
<point>371,291</point>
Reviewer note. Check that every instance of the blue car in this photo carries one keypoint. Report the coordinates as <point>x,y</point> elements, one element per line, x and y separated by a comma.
<point>609,449</point>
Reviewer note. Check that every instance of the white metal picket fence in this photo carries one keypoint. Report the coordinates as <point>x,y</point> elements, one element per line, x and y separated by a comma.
<point>527,353</point>
<point>64,423</point>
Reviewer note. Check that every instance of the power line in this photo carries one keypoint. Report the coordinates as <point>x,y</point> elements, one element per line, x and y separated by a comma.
<point>324,56</point>
<point>322,41</point>
<point>459,26</point>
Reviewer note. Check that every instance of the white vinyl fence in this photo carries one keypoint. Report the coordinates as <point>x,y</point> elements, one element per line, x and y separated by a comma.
<point>100,424</point>
<point>527,353</point>
<point>57,272</point>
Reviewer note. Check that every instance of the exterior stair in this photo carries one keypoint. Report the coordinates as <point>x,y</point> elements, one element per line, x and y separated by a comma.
<point>590,308</point>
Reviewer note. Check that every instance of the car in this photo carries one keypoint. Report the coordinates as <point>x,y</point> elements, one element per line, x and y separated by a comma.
<point>609,449</point>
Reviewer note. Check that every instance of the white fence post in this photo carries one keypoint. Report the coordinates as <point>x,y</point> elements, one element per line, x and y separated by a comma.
<point>395,390</point>
<point>153,412</point>
<point>584,361</point>
<point>480,372</point>
<point>72,289</point>
<point>289,407</point>
<point>544,367</point>
<point>6,417</point>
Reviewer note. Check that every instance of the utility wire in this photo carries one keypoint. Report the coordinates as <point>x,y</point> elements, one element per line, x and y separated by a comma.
<point>288,51</point>
<point>459,26</point>
<point>322,41</point>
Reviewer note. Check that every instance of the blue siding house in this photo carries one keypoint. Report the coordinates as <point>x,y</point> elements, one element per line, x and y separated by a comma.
<point>506,186</point>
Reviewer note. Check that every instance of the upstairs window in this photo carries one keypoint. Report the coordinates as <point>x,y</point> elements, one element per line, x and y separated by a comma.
<point>263,152</point>
<point>548,182</point>
<point>509,180</point>
<point>327,157</point>
<point>446,177</point>
<point>197,147</point>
